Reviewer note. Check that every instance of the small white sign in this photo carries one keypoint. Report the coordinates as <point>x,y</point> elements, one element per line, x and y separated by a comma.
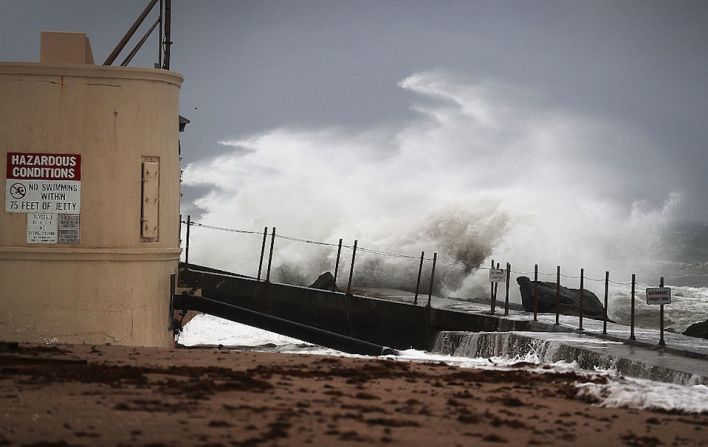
<point>497,275</point>
<point>69,225</point>
<point>659,295</point>
<point>42,228</point>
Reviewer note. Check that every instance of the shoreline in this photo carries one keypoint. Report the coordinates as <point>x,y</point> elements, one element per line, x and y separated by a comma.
<point>111,395</point>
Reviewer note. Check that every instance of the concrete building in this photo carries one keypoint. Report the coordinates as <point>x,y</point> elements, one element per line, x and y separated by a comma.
<point>89,231</point>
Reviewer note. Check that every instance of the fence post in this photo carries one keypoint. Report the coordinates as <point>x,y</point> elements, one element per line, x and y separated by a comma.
<point>260,262</point>
<point>580,304</point>
<point>270,255</point>
<point>535,292</point>
<point>186,251</point>
<point>432,278</point>
<point>417,283</point>
<point>491,289</point>
<point>631,317</point>
<point>661,317</point>
<point>558,293</point>
<point>336,264</point>
<point>351,270</point>
<point>607,287</point>
<point>506,294</point>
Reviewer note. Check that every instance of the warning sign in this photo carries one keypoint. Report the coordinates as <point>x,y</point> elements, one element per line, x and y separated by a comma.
<point>497,275</point>
<point>43,183</point>
<point>659,295</point>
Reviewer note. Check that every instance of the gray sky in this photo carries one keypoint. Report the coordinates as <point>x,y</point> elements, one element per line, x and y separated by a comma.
<point>251,66</point>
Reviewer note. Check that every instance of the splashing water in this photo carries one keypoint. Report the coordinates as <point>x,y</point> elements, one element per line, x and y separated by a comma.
<point>480,171</point>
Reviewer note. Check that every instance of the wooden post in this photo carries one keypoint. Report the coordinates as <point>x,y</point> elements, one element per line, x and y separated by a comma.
<point>506,294</point>
<point>558,293</point>
<point>535,292</point>
<point>186,249</point>
<point>607,288</point>
<point>270,255</point>
<point>260,263</point>
<point>351,270</point>
<point>417,283</point>
<point>661,318</point>
<point>631,317</point>
<point>580,303</point>
<point>432,278</point>
<point>336,264</point>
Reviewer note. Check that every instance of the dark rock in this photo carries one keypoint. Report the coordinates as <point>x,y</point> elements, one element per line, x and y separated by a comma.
<point>324,282</point>
<point>569,299</point>
<point>699,330</point>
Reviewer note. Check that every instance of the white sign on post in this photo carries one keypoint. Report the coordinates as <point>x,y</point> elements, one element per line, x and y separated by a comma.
<point>43,183</point>
<point>659,295</point>
<point>497,275</point>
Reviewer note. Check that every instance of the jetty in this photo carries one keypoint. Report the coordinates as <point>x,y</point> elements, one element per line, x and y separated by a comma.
<point>393,321</point>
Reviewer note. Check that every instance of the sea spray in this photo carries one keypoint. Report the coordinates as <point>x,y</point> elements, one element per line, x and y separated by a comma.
<point>479,172</point>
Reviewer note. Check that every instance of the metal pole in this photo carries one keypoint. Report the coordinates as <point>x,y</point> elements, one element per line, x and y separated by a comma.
<point>631,318</point>
<point>139,45</point>
<point>558,293</point>
<point>580,304</point>
<point>506,294</point>
<point>491,289</point>
<point>351,270</point>
<point>417,283</point>
<point>535,294</point>
<point>270,255</point>
<point>159,38</point>
<point>432,278</point>
<point>607,288</point>
<point>336,264</point>
<point>661,318</point>
<point>167,28</point>
<point>260,263</point>
<point>186,251</point>
<point>134,27</point>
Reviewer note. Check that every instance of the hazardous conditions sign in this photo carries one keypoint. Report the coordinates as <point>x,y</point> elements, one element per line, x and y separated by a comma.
<point>43,183</point>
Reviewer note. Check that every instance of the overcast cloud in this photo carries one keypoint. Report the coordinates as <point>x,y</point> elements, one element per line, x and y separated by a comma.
<point>636,69</point>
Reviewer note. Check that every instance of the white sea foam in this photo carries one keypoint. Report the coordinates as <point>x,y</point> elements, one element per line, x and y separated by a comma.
<point>647,394</point>
<point>206,329</point>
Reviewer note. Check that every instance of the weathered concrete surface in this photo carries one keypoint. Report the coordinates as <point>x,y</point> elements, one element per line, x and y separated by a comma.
<point>395,324</point>
<point>589,352</point>
<point>113,286</point>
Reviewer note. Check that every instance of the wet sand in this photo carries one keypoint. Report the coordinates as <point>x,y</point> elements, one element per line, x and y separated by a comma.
<point>105,395</point>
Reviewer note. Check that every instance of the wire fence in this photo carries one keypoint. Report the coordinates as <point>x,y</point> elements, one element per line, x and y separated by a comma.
<point>435,261</point>
<point>391,254</point>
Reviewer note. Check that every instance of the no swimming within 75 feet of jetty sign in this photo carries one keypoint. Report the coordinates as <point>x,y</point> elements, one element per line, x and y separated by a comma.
<point>43,183</point>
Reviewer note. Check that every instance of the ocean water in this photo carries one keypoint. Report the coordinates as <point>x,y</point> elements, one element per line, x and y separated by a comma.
<point>207,330</point>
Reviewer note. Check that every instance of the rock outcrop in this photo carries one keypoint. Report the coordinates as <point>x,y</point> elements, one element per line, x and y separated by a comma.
<point>699,330</point>
<point>569,299</point>
<point>324,282</point>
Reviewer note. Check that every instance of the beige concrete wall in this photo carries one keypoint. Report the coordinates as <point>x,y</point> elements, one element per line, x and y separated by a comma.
<point>64,48</point>
<point>112,287</point>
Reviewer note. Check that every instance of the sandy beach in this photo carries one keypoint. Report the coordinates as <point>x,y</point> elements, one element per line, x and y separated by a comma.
<point>107,395</point>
